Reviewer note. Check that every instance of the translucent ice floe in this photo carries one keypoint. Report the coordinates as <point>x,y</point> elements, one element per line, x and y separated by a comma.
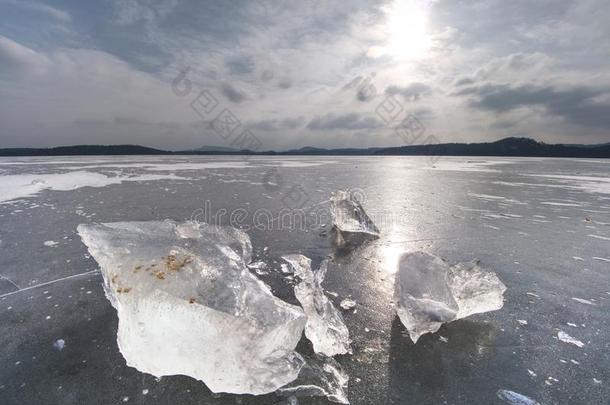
<point>187,304</point>
<point>564,337</point>
<point>325,327</point>
<point>429,292</point>
<point>321,376</point>
<point>514,398</point>
<point>350,221</point>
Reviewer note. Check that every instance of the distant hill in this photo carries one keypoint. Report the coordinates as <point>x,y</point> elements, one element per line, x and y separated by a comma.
<point>214,149</point>
<point>83,150</point>
<point>503,147</point>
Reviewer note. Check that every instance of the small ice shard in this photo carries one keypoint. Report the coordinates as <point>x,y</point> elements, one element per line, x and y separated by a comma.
<point>321,376</point>
<point>429,292</point>
<point>59,344</point>
<point>350,222</point>
<point>522,322</point>
<point>325,327</point>
<point>514,398</point>
<point>188,305</point>
<point>296,263</point>
<point>348,303</point>
<point>258,267</point>
<point>564,337</point>
<point>50,243</point>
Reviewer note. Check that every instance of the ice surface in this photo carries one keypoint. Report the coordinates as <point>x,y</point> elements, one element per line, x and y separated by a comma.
<point>321,376</point>
<point>325,327</point>
<point>564,337</point>
<point>429,292</point>
<point>349,218</point>
<point>514,398</point>
<point>187,304</point>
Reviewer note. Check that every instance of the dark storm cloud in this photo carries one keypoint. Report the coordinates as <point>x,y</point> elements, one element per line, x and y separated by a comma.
<point>412,92</point>
<point>351,121</point>
<point>277,124</point>
<point>240,64</point>
<point>464,81</point>
<point>577,105</point>
<point>232,94</point>
<point>284,83</point>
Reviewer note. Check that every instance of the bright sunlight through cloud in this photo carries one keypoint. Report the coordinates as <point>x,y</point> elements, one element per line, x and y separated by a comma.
<point>405,31</point>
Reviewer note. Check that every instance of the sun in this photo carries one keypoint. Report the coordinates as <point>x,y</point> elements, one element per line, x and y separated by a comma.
<point>405,31</point>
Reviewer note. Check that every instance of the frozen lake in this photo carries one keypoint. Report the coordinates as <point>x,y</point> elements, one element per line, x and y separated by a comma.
<point>543,225</point>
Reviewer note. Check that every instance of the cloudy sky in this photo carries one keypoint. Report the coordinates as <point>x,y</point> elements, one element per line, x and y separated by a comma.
<point>297,73</point>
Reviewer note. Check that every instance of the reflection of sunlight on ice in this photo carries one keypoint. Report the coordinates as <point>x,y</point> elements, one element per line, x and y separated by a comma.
<point>391,251</point>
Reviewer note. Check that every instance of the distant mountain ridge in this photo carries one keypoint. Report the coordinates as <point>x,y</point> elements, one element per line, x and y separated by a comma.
<point>83,150</point>
<point>503,147</point>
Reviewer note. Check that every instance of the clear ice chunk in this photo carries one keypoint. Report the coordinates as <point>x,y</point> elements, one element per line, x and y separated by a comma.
<point>429,292</point>
<point>325,327</point>
<point>321,376</point>
<point>188,305</point>
<point>349,218</point>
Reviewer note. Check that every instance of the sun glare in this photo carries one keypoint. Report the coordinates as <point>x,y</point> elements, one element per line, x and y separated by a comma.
<point>405,31</point>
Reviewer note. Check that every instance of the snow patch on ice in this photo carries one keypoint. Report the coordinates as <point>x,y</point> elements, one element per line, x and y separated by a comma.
<point>514,398</point>
<point>583,301</point>
<point>564,337</point>
<point>599,237</point>
<point>16,186</point>
<point>590,184</point>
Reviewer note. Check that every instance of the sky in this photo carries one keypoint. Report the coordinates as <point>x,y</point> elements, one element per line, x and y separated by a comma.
<point>180,74</point>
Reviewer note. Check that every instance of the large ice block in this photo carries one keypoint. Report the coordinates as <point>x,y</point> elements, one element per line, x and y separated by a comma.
<point>350,221</point>
<point>187,304</point>
<point>325,327</point>
<point>429,292</point>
